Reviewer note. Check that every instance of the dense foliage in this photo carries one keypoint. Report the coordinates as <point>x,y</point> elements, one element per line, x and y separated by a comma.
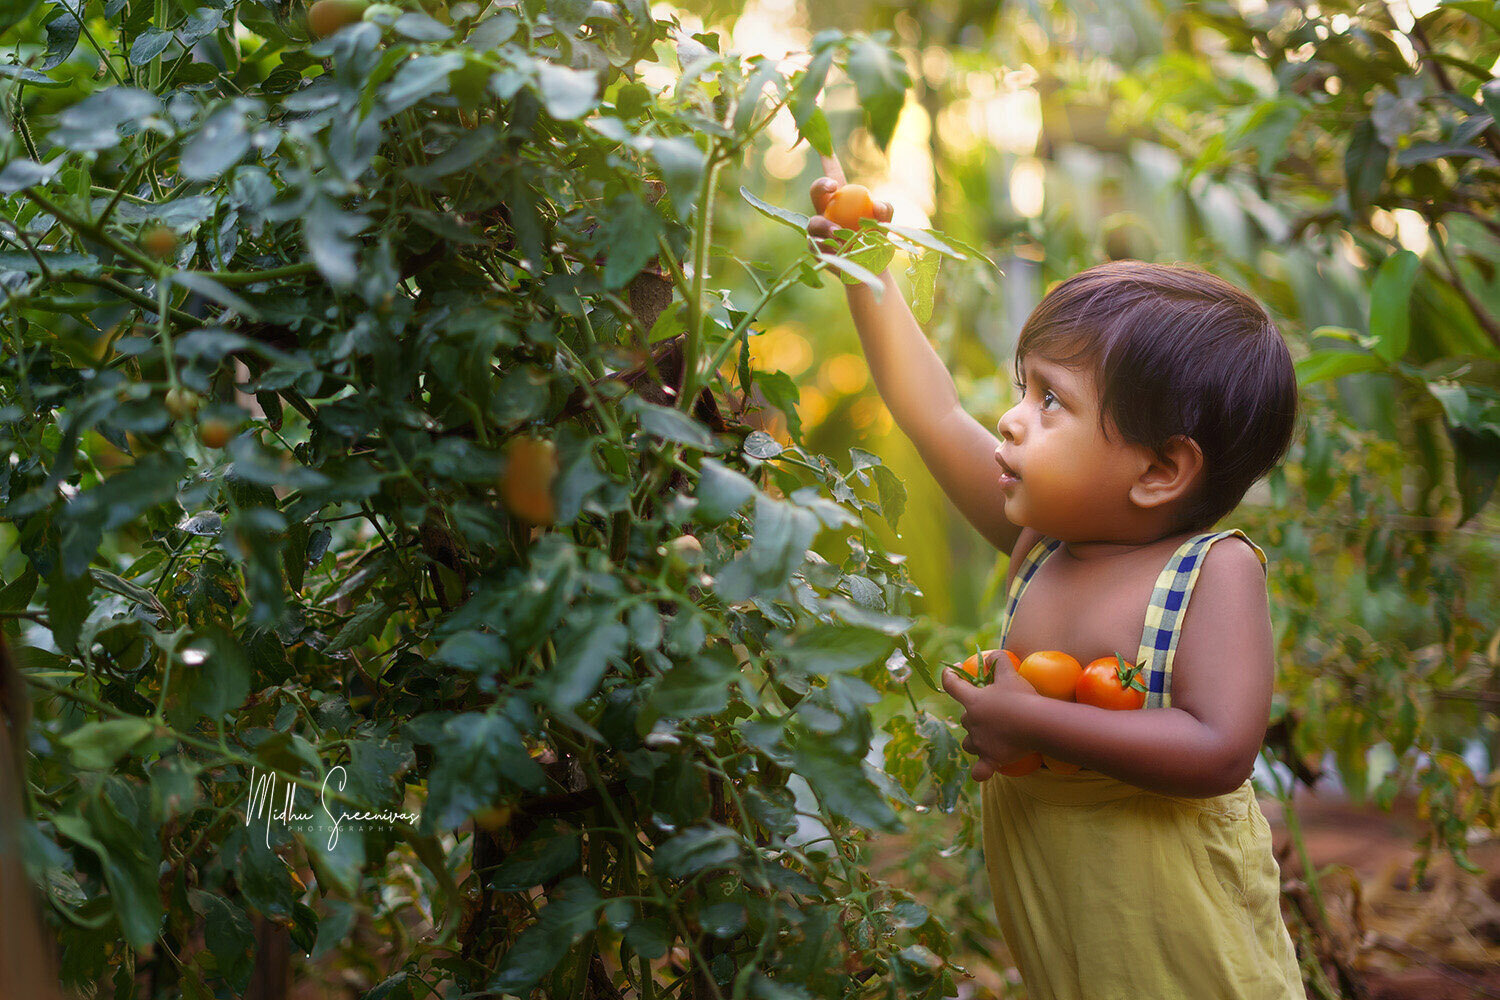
<point>379,441</point>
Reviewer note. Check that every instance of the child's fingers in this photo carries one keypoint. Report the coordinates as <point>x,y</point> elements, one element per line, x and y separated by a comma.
<point>982,770</point>
<point>821,231</point>
<point>822,189</point>
<point>884,210</point>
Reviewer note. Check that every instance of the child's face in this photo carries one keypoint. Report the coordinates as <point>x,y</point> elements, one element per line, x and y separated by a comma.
<point>1073,484</point>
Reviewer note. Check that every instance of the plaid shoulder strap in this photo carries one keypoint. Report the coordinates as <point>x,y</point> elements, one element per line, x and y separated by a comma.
<point>1041,550</point>
<point>1168,606</point>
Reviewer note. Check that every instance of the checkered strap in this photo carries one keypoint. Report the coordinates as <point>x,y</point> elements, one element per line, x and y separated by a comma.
<point>1168,606</point>
<point>1029,564</point>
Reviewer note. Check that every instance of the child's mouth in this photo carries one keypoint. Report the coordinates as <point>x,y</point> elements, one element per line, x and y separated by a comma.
<point>1008,475</point>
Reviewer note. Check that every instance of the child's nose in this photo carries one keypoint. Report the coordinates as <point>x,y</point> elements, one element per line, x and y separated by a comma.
<point>1009,423</point>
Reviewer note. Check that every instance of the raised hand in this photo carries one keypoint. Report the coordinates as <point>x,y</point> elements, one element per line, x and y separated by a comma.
<point>820,227</point>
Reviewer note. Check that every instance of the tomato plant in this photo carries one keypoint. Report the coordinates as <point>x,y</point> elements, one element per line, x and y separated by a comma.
<point>481,532</point>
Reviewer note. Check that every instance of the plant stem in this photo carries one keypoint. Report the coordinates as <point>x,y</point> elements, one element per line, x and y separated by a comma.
<point>1294,830</point>
<point>702,233</point>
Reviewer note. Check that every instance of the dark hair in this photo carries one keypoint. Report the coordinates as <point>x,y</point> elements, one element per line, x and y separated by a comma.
<point>1176,350</point>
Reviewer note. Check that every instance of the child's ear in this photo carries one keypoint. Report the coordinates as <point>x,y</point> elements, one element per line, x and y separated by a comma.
<point>1171,473</point>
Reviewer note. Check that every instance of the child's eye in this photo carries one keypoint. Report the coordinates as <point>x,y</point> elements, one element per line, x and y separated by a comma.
<point>1046,393</point>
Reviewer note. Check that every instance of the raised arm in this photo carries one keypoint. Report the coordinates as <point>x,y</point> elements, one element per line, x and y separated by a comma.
<point>918,390</point>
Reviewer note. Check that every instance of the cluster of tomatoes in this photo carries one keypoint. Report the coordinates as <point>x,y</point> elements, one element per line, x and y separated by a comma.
<point>1108,682</point>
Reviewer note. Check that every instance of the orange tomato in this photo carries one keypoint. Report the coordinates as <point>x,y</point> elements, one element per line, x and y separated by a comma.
<point>1110,682</point>
<point>848,205</point>
<point>1025,765</point>
<point>1054,674</point>
<point>327,16</point>
<point>979,674</point>
<point>214,433</point>
<point>160,242</point>
<point>526,484</point>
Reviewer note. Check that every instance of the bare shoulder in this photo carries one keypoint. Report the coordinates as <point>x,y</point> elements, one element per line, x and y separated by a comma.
<point>1233,557</point>
<point>1228,618</point>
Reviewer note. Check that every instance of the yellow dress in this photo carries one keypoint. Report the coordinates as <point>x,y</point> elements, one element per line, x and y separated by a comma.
<point>1107,891</point>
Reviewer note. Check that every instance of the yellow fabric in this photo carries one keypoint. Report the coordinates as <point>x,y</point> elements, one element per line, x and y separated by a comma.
<point>1106,891</point>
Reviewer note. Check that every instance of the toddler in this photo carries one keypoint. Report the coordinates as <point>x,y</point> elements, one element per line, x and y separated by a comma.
<point>1151,398</point>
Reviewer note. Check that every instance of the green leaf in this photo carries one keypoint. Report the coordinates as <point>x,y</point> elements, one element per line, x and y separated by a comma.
<point>68,605</point>
<point>817,133</point>
<point>724,920</point>
<point>474,752</point>
<point>1390,304</point>
<point>571,912</point>
<point>1365,162</point>
<point>17,594</point>
<point>804,99</point>
<point>695,850</point>
<point>924,238</point>
<point>421,27</point>
<point>211,289</point>
<point>95,746</point>
<point>764,73</point>
<point>14,12</point>
<point>1319,366</point>
<point>854,273</point>
<point>881,79</point>
<point>219,144</point>
<point>62,37</point>
<point>697,686</point>
<point>566,93</point>
<point>367,621</point>
<point>629,238</point>
<point>783,532</point>
<point>584,652</point>
<point>781,391</point>
<point>671,424</point>
<point>721,491</point>
<point>1426,152</point>
<point>548,851</point>
<point>892,493</point>
<point>128,871</point>
<point>418,78</point>
<point>681,163</point>
<point>226,929</point>
<point>830,649</point>
<point>148,45</point>
<point>785,216</point>
<point>1267,127</point>
<point>481,653</point>
<point>841,784</point>
<point>923,273</point>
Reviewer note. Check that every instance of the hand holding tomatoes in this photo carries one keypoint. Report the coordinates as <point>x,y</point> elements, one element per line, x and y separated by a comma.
<point>988,735</point>
<point>840,205</point>
<point>1107,682</point>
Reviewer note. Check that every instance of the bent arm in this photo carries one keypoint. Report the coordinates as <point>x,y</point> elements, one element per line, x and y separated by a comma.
<point>1164,750</point>
<point>1222,680</point>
